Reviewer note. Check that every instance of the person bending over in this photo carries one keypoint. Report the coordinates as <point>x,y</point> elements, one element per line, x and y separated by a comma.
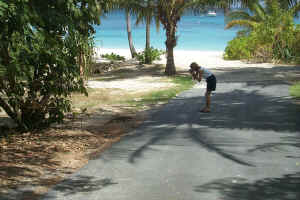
<point>197,73</point>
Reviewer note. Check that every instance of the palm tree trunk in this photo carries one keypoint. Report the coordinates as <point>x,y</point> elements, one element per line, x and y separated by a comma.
<point>129,34</point>
<point>226,10</point>
<point>148,21</point>
<point>170,44</point>
<point>81,64</point>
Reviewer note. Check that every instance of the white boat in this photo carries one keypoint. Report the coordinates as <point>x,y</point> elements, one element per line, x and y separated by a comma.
<point>211,14</point>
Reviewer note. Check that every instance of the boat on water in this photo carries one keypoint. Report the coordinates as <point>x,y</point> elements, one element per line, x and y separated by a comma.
<point>211,13</point>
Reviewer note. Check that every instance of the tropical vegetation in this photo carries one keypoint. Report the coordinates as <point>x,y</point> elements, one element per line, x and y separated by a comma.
<point>128,7</point>
<point>295,90</point>
<point>43,50</point>
<point>149,55</point>
<point>113,57</point>
<point>146,14</point>
<point>268,33</point>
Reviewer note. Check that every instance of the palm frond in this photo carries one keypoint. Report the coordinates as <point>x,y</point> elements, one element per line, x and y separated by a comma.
<point>241,23</point>
<point>295,9</point>
<point>258,11</point>
<point>237,15</point>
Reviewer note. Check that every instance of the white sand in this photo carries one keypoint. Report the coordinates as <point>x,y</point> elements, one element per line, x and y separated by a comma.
<point>136,84</point>
<point>209,59</point>
<point>183,58</point>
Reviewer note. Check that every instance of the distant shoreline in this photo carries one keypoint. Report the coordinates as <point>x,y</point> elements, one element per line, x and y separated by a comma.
<point>183,58</point>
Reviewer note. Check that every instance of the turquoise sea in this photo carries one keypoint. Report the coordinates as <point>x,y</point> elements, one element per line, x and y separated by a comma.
<point>194,33</point>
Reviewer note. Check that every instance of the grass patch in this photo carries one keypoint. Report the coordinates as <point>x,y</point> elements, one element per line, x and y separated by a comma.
<point>295,90</point>
<point>113,57</point>
<point>184,82</point>
<point>96,98</point>
<point>99,97</point>
<point>163,96</point>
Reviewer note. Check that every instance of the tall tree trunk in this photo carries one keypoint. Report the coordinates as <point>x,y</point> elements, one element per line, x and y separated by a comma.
<point>13,115</point>
<point>129,34</point>
<point>170,44</point>
<point>148,21</point>
<point>226,9</point>
<point>81,64</point>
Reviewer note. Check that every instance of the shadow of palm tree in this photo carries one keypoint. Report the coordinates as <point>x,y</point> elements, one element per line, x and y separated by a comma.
<point>283,188</point>
<point>256,75</point>
<point>81,184</point>
<point>233,109</point>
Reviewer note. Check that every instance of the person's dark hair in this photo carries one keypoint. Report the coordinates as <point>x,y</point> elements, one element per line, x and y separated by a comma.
<point>194,66</point>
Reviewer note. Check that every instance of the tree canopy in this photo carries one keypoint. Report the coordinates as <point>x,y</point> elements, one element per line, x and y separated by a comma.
<point>269,32</point>
<point>40,48</point>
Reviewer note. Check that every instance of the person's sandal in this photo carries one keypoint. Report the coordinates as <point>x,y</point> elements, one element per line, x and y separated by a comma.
<point>205,111</point>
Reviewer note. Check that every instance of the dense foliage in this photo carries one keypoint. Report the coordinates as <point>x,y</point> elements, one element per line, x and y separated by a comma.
<point>113,57</point>
<point>43,47</point>
<point>269,34</point>
<point>295,90</point>
<point>149,55</point>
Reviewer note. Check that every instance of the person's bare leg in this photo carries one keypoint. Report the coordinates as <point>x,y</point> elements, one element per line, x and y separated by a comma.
<point>207,98</point>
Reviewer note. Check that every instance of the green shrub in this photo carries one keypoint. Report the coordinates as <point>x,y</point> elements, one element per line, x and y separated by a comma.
<point>238,49</point>
<point>43,47</point>
<point>149,55</point>
<point>296,45</point>
<point>275,37</point>
<point>113,57</point>
<point>295,90</point>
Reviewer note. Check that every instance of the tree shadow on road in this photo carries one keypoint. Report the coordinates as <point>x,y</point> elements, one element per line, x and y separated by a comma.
<point>264,76</point>
<point>235,110</point>
<point>283,188</point>
<point>80,184</point>
<point>251,110</point>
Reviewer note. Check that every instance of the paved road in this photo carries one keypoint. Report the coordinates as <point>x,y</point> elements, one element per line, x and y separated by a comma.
<point>248,148</point>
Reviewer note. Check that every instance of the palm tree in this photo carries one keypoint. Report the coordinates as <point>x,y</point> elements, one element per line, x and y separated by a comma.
<point>288,3</point>
<point>244,18</point>
<point>275,18</point>
<point>259,13</point>
<point>129,34</point>
<point>169,13</point>
<point>128,6</point>
<point>146,13</point>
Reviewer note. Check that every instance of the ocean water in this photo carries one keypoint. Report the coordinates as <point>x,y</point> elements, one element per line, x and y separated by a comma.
<point>194,33</point>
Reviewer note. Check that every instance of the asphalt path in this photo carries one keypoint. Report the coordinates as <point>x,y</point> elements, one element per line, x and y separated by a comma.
<point>247,148</point>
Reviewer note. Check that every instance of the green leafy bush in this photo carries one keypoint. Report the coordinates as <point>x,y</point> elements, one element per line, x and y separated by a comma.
<point>113,57</point>
<point>149,55</point>
<point>43,47</point>
<point>295,90</point>
<point>238,49</point>
<point>296,44</point>
<point>267,42</point>
<point>272,36</point>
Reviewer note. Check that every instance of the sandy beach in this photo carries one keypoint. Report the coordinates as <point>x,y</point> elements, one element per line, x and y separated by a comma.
<point>183,58</point>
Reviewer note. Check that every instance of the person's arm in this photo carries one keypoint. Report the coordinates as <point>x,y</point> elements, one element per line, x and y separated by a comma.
<point>194,74</point>
<point>199,75</point>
